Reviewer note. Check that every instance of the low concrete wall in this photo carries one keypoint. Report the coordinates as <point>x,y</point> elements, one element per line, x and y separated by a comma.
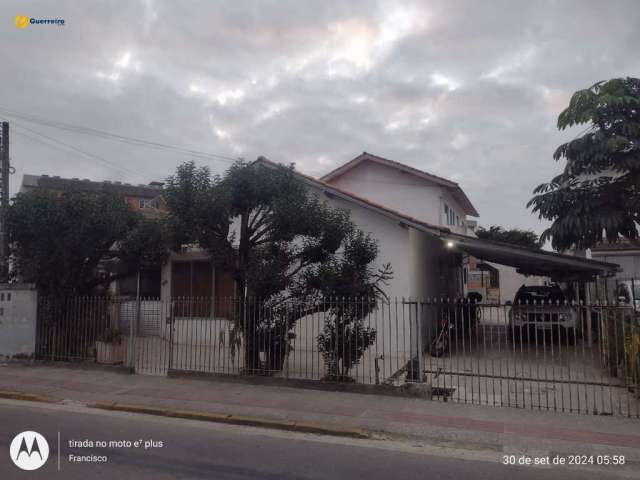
<point>18,314</point>
<point>406,390</point>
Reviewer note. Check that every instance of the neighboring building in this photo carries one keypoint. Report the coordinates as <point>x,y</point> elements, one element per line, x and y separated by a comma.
<point>147,199</point>
<point>625,286</point>
<point>625,253</point>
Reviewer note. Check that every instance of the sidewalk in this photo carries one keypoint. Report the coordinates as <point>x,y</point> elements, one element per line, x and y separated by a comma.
<point>494,430</point>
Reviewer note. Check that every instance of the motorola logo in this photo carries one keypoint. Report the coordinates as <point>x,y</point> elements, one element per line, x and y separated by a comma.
<point>29,450</point>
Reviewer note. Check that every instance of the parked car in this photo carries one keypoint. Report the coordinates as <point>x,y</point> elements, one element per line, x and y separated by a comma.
<point>540,311</point>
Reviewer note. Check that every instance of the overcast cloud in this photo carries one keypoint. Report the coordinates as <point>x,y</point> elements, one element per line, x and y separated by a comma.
<point>466,90</point>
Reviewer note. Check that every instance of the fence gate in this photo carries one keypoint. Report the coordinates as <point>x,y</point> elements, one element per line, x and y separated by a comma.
<point>563,357</point>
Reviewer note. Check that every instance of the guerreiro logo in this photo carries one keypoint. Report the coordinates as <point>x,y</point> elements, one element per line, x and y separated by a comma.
<point>29,450</point>
<point>23,21</point>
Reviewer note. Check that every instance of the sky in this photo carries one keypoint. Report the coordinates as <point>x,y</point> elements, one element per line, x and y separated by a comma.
<point>467,90</point>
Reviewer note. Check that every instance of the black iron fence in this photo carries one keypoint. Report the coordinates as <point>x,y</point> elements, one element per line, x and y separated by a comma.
<point>573,357</point>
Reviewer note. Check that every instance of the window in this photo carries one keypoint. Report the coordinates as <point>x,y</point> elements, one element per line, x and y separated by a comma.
<point>450,215</point>
<point>150,280</point>
<point>148,203</point>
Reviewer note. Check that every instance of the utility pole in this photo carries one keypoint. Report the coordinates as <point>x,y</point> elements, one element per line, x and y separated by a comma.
<point>5,168</point>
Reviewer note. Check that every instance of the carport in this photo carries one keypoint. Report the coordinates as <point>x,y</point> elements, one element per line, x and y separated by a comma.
<point>529,261</point>
<point>580,370</point>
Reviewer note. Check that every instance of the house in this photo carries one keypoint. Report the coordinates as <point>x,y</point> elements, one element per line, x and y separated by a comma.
<point>435,200</point>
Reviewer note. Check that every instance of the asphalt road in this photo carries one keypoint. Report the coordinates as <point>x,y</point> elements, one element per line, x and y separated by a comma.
<point>193,449</point>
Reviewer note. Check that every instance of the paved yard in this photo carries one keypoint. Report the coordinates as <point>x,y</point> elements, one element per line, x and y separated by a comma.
<point>491,369</point>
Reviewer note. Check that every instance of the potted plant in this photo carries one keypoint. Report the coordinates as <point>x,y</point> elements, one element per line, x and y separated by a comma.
<point>109,348</point>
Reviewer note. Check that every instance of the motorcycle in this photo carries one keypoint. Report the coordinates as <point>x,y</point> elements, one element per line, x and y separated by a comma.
<point>442,342</point>
<point>455,323</point>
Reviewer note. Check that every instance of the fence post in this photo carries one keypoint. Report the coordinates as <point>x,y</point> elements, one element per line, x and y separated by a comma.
<point>420,350</point>
<point>587,298</point>
<point>133,324</point>
<point>171,327</point>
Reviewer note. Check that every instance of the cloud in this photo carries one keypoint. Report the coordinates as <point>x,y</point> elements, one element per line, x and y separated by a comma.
<point>465,90</point>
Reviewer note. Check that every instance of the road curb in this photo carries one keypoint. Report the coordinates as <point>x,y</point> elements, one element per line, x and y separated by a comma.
<point>288,425</point>
<point>29,397</point>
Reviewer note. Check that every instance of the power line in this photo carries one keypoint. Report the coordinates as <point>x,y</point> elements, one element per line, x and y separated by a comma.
<point>57,142</point>
<point>116,137</point>
<point>51,145</point>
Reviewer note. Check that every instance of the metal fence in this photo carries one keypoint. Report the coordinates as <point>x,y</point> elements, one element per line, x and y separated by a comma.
<point>569,357</point>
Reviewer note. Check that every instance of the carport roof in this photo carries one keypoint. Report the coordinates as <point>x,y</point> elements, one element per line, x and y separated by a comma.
<point>531,261</point>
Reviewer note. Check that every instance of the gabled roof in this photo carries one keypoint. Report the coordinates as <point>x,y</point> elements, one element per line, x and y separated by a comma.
<point>455,190</point>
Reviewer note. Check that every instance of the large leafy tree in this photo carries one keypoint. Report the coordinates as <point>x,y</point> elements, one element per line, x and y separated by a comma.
<point>515,236</point>
<point>597,196</point>
<point>73,242</point>
<point>285,248</point>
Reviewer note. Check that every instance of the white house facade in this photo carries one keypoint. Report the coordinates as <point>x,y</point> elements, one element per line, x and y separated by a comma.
<point>413,192</point>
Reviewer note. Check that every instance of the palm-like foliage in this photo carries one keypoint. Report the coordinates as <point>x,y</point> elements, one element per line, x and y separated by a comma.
<point>597,196</point>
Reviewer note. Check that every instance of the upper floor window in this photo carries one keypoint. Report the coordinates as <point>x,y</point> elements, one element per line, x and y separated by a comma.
<point>450,215</point>
<point>149,203</point>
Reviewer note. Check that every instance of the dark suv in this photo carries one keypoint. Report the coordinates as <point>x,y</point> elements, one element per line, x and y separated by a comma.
<point>540,310</point>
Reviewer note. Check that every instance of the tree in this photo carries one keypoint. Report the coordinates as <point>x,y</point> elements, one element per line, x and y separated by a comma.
<point>144,247</point>
<point>515,236</point>
<point>284,243</point>
<point>355,288</point>
<point>597,196</point>
<point>68,243</point>
<point>195,215</point>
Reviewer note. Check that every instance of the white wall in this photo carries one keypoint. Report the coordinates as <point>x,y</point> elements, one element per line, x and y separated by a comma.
<point>403,192</point>
<point>18,311</point>
<point>393,242</point>
<point>628,261</point>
